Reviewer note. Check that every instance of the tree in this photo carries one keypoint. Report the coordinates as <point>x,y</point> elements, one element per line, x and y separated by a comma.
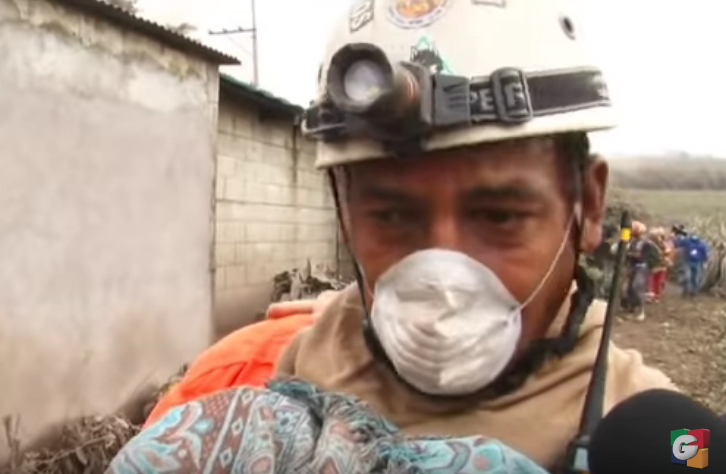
<point>183,28</point>
<point>128,5</point>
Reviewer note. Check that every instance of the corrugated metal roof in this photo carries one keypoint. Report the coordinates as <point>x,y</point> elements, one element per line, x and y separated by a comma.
<point>149,28</point>
<point>258,96</point>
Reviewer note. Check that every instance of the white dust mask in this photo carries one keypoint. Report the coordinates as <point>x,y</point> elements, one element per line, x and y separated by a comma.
<point>447,323</point>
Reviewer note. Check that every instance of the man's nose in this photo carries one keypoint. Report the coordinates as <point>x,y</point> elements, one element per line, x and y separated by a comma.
<point>445,233</point>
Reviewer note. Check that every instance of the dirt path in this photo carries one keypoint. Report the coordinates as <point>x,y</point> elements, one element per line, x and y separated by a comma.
<point>687,340</point>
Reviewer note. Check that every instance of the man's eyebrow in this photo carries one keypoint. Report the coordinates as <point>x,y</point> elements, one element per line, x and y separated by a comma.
<point>510,192</point>
<point>522,192</point>
<point>380,193</point>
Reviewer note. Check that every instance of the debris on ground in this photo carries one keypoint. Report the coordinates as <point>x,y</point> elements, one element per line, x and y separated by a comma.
<point>82,446</point>
<point>304,283</point>
<point>163,390</point>
<point>686,339</point>
<point>85,445</point>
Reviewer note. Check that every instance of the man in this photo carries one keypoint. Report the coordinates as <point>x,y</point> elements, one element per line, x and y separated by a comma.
<point>637,273</point>
<point>642,257</point>
<point>695,256</point>
<point>677,238</point>
<point>678,231</point>
<point>465,319</point>
<point>603,260</point>
<point>465,201</point>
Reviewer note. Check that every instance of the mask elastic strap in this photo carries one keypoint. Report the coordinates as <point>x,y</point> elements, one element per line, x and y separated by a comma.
<point>574,218</point>
<point>357,270</point>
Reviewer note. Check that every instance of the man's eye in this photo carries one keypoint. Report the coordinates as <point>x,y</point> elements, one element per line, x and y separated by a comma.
<point>392,216</point>
<point>500,217</point>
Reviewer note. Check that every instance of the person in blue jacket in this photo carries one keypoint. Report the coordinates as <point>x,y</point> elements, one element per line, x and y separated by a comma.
<point>695,256</point>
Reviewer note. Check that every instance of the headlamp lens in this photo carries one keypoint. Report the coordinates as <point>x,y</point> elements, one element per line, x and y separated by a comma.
<point>364,81</point>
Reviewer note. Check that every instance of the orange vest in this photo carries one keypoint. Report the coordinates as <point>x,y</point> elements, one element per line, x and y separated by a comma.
<point>244,357</point>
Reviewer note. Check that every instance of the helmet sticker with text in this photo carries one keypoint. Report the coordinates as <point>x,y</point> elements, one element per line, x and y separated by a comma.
<point>411,14</point>
<point>361,13</point>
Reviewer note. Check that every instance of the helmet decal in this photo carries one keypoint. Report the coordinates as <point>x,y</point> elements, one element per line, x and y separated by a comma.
<point>411,14</point>
<point>361,13</point>
<point>425,53</point>
<point>404,77</point>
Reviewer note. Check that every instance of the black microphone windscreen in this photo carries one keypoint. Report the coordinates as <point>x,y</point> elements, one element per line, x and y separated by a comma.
<point>636,435</point>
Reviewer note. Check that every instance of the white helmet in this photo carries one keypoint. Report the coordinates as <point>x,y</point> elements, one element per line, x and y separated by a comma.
<point>447,73</point>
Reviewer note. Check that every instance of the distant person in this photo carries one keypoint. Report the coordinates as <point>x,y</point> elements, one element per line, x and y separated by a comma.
<point>670,256</point>
<point>638,263</point>
<point>676,239</point>
<point>678,236</point>
<point>603,259</point>
<point>695,256</point>
<point>659,263</point>
<point>679,230</point>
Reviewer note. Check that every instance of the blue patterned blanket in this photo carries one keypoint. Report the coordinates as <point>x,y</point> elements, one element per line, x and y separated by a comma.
<point>293,427</point>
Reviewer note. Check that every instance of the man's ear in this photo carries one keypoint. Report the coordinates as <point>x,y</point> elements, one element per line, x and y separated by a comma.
<point>594,203</point>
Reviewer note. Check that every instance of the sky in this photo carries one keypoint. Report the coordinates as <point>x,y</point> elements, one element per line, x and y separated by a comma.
<point>660,59</point>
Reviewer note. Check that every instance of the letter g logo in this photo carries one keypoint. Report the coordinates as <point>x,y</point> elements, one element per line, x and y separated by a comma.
<point>681,450</point>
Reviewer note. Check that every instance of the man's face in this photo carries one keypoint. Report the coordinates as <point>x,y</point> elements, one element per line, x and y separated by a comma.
<point>506,205</point>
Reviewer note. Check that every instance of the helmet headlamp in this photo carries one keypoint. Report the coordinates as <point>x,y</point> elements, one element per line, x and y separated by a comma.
<point>401,103</point>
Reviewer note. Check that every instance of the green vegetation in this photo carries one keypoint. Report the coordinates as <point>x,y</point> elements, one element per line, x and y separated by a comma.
<point>667,191</point>
<point>664,192</point>
<point>128,5</point>
<point>669,173</point>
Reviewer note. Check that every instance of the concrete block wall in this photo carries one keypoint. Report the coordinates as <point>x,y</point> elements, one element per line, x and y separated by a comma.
<point>274,210</point>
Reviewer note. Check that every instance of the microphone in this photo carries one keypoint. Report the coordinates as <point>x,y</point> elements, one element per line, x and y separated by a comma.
<point>642,433</point>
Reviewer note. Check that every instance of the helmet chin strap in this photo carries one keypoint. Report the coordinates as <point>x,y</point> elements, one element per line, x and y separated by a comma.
<point>539,351</point>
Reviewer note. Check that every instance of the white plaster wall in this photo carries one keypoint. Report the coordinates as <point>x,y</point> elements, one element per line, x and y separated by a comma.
<point>107,149</point>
